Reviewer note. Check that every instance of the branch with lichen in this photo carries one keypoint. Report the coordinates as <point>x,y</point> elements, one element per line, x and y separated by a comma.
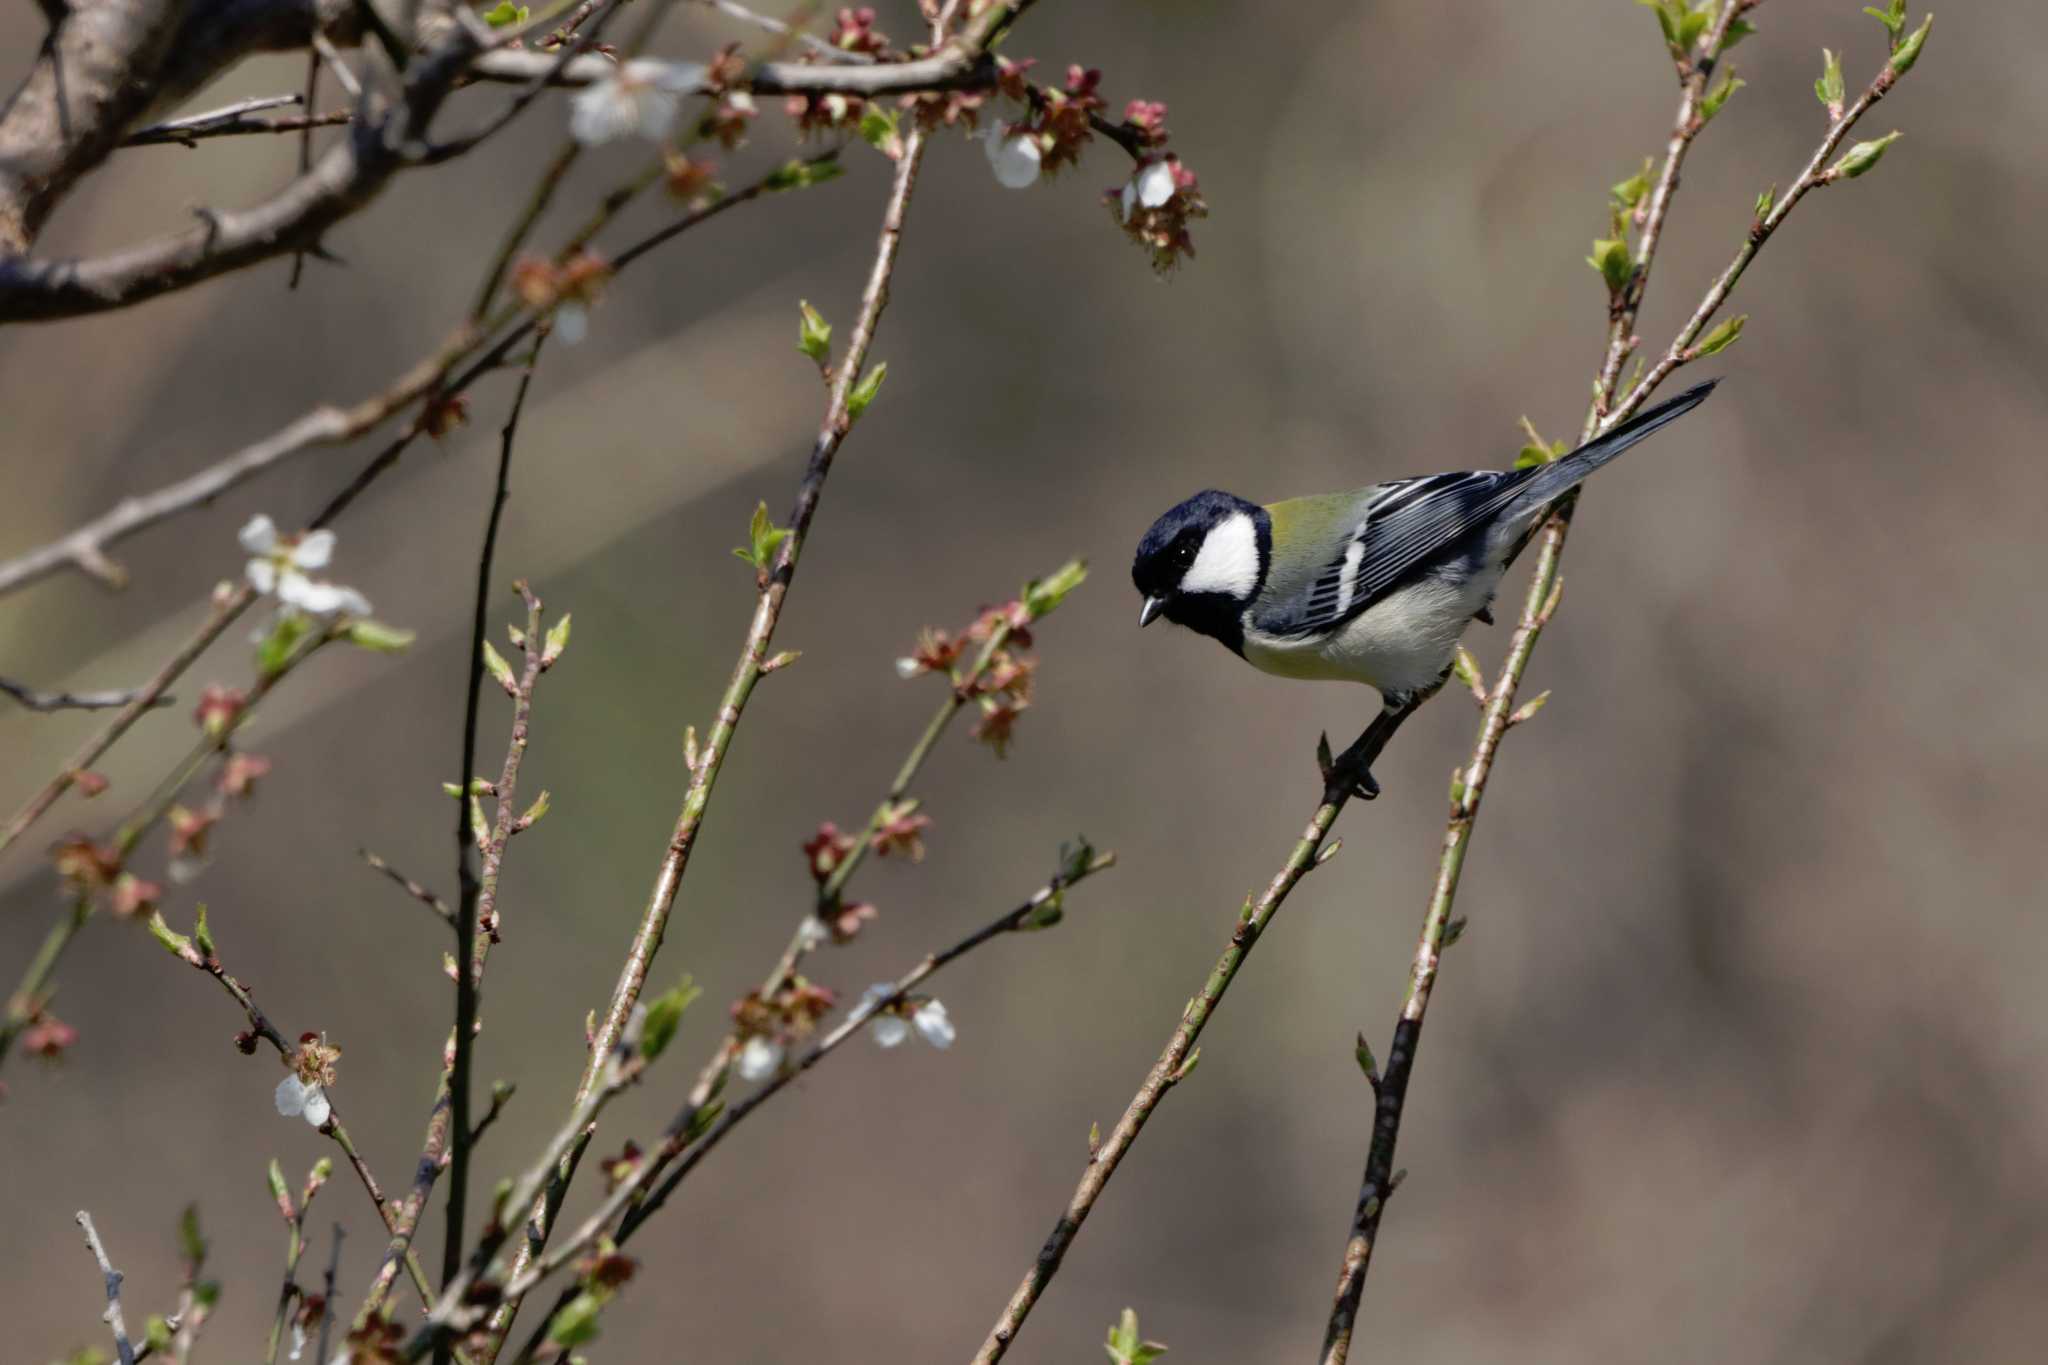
<point>1699,36</point>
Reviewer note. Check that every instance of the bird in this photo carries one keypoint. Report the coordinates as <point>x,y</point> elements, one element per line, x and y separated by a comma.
<point>1375,585</point>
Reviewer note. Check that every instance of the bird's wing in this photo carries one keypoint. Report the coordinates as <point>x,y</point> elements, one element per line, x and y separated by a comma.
<point>1394,529</point>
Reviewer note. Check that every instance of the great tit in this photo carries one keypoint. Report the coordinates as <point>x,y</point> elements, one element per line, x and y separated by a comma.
<point>1375,585</point>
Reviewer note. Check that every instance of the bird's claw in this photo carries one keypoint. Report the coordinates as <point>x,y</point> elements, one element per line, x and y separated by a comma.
<point>1337,772</point>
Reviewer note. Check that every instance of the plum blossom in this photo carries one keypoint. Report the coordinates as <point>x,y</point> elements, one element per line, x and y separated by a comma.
<point>891,1027</point>
<point>1014,156</point>
<point>760,1058</point>
<point>280,566</point>
<point>1150,186</point>
<point>296,1097</point>
<point>642,97</point>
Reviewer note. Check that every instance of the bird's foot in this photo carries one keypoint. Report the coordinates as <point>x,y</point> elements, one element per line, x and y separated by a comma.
<point>1347,772</point>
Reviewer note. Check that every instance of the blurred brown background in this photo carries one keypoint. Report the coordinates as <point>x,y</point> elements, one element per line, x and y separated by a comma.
<point>1741,1058</point>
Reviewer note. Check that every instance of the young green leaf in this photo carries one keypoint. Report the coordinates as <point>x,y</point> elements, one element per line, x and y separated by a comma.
<point>1828,89</point>
<point>191,1245</point>
<point>379,638</point>
<point>1722,337</point>
<point>813,334</point>
<point>1711,102</point>
<point>505,14</point>
<point>1043,595</point>
<point>174,943</point>
<point>764,539</point>
<point>1863,156</point>
<point>1738,29</point>
<point>1630,192</point>
<point>1765,200</point>
<point>1610,258</point>
<point>1125,1347</point>
<point>495,665</point>
<point>201,934</point>
<point>864,392</point>
<point>557,640</point>
<point>1893,18</point>
<point>577,1322</point>
<point>1909,51</point>
<point>878,127</point>
<point>801,175</point>
<point>664,1015</point>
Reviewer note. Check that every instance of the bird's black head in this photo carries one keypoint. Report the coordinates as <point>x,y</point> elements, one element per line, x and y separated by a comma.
<point>1203,562</point>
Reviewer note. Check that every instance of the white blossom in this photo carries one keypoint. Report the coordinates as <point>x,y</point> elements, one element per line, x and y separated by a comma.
<point>1014,157</point>
<point>279,567</point>
<point>760,1058</point>
<point>932,1022</point>
<point>295,1097</point>
<point>891,1029</point>
<point>1151,185</point>
<point>572,322</point>
<point>907,667</point>
<point>813,934</point>
<point>298,1340</point>
<point>643,97</point>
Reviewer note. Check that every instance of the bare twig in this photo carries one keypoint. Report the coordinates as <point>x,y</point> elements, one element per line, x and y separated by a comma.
<point>773,586</point>
<point>1178,1057</point>
<point>228,609</point>
<point>471,887</point>
<point>112,1317</point>
<point>408,885</point>
<point>233,120</point>
<point>1539,605</point>
<point>189,951</point>
<point>76,701</point>
<point>769,24</point>
<point>327,1294</point>
<point>445,1126</point>
<point>686,1141</point>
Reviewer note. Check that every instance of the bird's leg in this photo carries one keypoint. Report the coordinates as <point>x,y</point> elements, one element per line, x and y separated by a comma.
<point>1351,771</point>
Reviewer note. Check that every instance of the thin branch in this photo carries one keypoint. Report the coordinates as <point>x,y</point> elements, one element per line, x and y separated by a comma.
<point>76,701</point>
<point>470,886</point>
<point>327,1295</point>
<point>1539,606</point>
<point>686,1141</point>
<point>767,23</point>
<point>228,119</point>
<point>227,610</point>
<point>408,885</point>
<point>446,1125</point>
<point>86,548</point>
<point>188,951</point>
<point>773,587</point>
<point>1179,1056</point>
<point>112,1317</point>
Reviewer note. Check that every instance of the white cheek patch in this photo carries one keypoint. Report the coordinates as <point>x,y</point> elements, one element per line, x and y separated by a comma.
<point>1228,561</point>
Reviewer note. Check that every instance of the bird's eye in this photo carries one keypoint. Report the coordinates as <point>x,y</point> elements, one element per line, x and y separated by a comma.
<point>1184,553</point>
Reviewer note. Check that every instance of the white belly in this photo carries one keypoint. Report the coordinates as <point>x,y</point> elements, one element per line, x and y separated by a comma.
<point>1401,644</point>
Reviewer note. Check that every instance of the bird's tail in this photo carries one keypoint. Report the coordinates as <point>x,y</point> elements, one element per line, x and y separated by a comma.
<point>1551,481</point>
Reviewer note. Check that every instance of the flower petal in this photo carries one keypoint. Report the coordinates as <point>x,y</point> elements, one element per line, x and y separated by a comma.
<point>933,1023</point>
<point>258,535</point>
<point>317,1108</point>
<point>291,1096</point>
<point>1154,184</point>
<point>1013,157</point>
<point>759,1059</point>
<point>317,598</point>
<point>1129,199</point>
<point>888,1029</point>
<point>262,574</point>
<point>601,112</point>
<point>572,323</point>
<point>314,549</point>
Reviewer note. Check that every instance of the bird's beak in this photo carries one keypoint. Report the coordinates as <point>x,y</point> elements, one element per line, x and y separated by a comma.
<point>1150,611</point>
